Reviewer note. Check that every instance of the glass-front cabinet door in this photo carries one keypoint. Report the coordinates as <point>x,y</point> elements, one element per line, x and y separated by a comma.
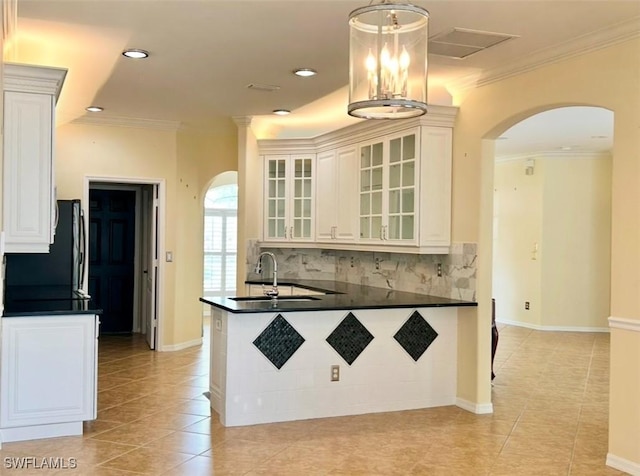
<point>302,197</point>
<point>276,198</point>
<point>388,192</point>
<point>402,190</point>
<point>371,172</point>
<point>288,198</point>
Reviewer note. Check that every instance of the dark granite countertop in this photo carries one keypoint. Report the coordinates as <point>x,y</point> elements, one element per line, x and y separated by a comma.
<point>25,301</point>
<point>339,296</point>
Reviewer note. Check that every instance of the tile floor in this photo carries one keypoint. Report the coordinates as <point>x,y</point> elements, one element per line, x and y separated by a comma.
<point>550,400</point>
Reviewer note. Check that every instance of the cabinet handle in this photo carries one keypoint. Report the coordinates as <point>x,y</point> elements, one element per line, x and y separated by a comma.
<point>333,232</point>
<point>384,233</point>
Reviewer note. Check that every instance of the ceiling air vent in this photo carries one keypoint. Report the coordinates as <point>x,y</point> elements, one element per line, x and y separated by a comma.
<point>263,87</point>
<point>460,43</point>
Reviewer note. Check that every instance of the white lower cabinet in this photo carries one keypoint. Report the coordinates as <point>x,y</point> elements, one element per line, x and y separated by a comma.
<point>48,375</point>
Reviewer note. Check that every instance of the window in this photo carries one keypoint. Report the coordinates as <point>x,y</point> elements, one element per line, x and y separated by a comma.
<point>220,240</point>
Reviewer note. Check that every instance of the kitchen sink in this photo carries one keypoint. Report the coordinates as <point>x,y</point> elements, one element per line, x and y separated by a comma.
<point>279,298</point>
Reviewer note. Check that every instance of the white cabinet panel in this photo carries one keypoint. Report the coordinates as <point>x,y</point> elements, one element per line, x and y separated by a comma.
<point>28,184</point>
<point>49,370</point>
<point>336,197</point>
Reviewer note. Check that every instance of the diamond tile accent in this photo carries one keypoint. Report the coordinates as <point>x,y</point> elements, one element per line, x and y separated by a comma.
<point>279,341</point>
<point>415,336</point>
<point>350,338</point>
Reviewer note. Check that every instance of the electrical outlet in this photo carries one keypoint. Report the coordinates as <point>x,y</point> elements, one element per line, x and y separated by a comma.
<point>352,262</point>
<point>439,270</point>
<point>526,305</point>
<point>377,263</point>
<point>335,373</point>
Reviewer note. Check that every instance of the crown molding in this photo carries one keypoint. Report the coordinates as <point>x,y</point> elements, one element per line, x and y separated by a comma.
<point>242,121</point>
<point>33,79</point>
<point>438,116</point>
<point>561,154</point>
<point>594,41</point>
<point>118,121</point>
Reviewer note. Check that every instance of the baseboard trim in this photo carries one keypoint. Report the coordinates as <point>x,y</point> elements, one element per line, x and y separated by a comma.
<point>477,408</point>
<point>623,464</point>
<point>36,432</point>
<point>180,346</point>
<point>624,323</point>
<point>552,328</point>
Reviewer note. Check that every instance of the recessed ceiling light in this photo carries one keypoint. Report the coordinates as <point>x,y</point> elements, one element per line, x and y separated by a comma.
<point>566,147</point>
<point>305,72</point>
<point>599,137</point>
<point>95,109</point>
<point>281,112</point>
<point>135,53</point>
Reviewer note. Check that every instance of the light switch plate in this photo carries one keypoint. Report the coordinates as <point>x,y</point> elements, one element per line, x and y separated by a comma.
<point>169,256</point>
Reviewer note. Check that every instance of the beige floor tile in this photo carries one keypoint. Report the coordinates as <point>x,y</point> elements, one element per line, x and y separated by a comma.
<point>147,461</point>
<point>133,434</point>
<point>548,419</point>
<point>196,466</point>
<point>183,442</point>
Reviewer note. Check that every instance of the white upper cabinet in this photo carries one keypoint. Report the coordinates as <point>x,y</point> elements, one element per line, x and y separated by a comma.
<point>30,94</point>
<point>336,185</point>
<point>288,202</point>
<point>376,186</point>
<point>388,189</point>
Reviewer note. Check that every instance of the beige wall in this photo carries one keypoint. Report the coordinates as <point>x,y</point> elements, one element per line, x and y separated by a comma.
<point>186,160</point>
<point>565,209</point>
<point>608,78</point>
<point>517,229</point>
<point>576,246</point>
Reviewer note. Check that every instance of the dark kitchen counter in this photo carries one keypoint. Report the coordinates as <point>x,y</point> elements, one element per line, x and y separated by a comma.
<point>25,301</point>
<point>339,296</point>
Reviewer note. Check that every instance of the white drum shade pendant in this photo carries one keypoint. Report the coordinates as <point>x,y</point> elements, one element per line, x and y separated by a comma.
<point>388,61</point>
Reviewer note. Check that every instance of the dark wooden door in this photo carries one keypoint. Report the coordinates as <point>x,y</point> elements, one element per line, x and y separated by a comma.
<point>111,257</point>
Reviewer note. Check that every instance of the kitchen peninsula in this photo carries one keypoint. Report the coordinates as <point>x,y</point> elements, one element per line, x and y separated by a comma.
<point>330,349</point>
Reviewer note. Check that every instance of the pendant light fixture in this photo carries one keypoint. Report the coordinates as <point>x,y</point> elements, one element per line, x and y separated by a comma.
<point>388,61</point>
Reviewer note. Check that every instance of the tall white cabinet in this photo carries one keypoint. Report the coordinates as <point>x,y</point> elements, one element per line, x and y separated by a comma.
<point>48,375</point>
<point>29,206</point>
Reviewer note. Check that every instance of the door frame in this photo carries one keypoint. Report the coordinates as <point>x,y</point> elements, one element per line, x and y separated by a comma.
<point>135,183</point>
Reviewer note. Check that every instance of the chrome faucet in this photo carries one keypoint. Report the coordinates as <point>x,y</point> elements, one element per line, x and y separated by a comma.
<point>273,292</point>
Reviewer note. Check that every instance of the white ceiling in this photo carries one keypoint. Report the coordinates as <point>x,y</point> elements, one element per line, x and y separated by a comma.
<point>205,52</point>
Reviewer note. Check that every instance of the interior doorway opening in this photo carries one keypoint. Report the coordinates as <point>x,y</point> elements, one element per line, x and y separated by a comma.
<point>124,274</point>
<point>220,236</point>
<point>552,221</point>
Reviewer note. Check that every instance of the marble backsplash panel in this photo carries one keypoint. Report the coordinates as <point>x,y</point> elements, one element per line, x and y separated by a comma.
<point>401,271</point>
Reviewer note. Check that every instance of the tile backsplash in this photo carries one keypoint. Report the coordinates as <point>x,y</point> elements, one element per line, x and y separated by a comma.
<point>401,271</point>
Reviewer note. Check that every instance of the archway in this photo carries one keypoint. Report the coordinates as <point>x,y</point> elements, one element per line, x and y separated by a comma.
<point>552,220</point>
<point>220,235</point>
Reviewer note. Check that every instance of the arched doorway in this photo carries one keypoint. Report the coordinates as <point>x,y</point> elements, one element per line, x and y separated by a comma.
<point>552,220</point>
<point>220,236</point>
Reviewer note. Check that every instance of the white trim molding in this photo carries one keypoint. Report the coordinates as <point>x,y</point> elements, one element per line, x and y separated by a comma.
<point>624,323</point>
<point>551,328</point>
<point>622,464</point>
<point>477,408</point>
<point>180,346</point>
